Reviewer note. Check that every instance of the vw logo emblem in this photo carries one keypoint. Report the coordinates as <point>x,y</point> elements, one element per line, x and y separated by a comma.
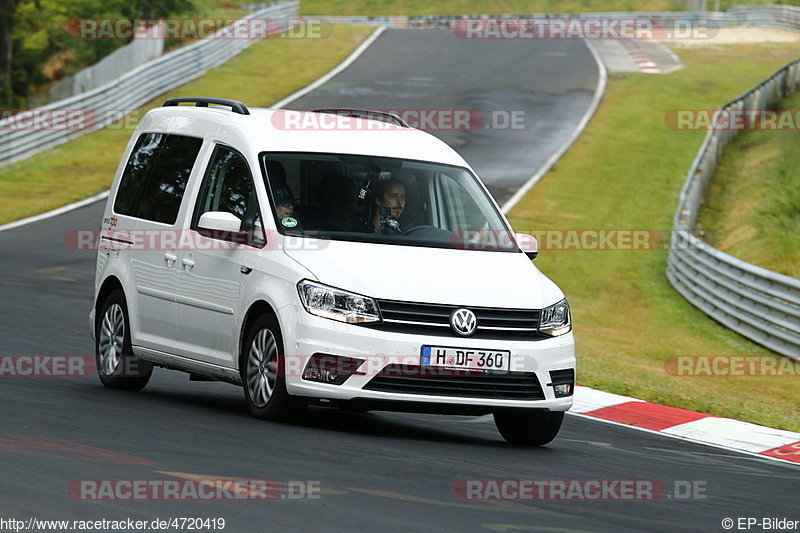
<point>463,322</point>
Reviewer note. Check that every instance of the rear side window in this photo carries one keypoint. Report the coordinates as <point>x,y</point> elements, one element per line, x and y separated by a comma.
<point>155,177</point>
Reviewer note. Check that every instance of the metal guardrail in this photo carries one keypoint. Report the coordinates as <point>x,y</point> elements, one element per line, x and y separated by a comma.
<point>761,305</point>
<point>771,15</point>
<point>138,52</point>
<point>114,100</point>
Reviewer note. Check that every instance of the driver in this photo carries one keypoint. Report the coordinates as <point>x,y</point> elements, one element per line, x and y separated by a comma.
<point>390,200</point>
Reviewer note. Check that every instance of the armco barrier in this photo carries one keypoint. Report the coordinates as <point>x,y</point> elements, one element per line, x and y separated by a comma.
<point>116,64</point>
<point>771,15</point>
<point>761,305</point>
<point>113,100</point>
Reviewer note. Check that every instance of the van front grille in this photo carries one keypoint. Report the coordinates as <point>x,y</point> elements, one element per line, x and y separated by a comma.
<point>493,322</point>
<point>438,381</point>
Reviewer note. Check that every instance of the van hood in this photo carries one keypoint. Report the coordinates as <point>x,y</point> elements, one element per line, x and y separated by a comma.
<point>430,275</point>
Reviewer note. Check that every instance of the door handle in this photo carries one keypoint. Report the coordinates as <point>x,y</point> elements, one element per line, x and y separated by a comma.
<point>188,263</point>
<point>171,258</point>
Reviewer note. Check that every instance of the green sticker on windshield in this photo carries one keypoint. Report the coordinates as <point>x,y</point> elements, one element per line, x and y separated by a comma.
<point>289,222</point>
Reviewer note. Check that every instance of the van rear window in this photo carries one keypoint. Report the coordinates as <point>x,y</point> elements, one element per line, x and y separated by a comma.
<point>155,177</point>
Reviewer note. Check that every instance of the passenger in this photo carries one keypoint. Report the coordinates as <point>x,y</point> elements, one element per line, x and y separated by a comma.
<point>284,202</point>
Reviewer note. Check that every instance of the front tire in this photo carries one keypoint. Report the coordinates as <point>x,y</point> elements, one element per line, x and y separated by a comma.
<point>262,369</point>
<point>117,367</point>
<point>534,428</point>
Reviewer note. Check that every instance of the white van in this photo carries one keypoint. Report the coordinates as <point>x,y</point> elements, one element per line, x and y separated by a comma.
<point>340,259</point>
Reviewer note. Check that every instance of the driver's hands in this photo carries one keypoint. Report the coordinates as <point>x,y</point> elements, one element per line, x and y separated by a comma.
<point>390,226</point>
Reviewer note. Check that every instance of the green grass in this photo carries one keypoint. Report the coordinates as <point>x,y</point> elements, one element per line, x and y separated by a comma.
<point>262,74</point>
<point>626,171</point>
<point>217,9</point>
<point>752,209</point>
<point>459,7</point>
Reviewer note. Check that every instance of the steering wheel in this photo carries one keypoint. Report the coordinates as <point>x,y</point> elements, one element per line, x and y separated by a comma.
<point>417,229</point>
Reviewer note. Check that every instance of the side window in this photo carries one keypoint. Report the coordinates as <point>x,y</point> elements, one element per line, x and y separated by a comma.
<point>135,175</point>
<point>155,177</point>
<point>229,187</point>
<point>456,204</point>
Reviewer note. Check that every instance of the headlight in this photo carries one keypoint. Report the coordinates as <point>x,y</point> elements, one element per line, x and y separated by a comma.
<point>336,304</point>
<point>555,320</point>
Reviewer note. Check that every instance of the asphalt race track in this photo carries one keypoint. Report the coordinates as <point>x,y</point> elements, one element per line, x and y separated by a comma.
<point>376,471</point>
<point>530,95</point>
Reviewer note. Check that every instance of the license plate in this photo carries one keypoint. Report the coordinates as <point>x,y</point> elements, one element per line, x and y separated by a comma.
<point>465,358</point>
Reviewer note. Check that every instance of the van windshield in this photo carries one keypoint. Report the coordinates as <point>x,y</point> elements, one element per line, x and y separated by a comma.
<point>382,200</point>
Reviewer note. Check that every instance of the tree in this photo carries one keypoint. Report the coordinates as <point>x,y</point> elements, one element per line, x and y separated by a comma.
<point>7,9</point>
<point>34,32</point>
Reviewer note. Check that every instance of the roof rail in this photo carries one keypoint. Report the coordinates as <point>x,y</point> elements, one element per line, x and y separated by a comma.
<point>383,116</point>
<point>202,101</point>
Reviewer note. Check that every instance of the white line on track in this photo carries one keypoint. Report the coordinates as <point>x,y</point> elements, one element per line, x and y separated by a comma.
<point>686,439</point>
<point>55,212</point>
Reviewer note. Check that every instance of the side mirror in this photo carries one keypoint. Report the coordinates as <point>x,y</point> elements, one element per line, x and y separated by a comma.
<point>528,244</point>
<point>220,221</point>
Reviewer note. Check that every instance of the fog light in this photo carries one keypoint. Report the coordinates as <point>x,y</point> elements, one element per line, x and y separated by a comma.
<point>563,390</point>
<point>311,374</point>
<point>331,369</point>
<point>563,382</point>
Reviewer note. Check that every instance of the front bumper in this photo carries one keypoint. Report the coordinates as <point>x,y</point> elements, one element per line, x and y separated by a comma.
<point>305,334</point>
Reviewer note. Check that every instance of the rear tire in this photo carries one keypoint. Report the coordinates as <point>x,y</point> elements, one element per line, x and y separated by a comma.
<point>263,371</point>
<point>534,428</point>
<point>117,367</point>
